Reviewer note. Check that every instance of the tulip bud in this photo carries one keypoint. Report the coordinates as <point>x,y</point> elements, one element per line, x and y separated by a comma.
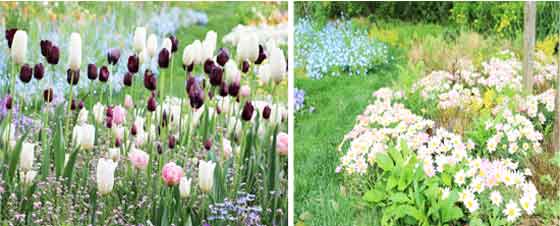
<point>206,175</point>
<point>54,55</point>
<point>128,102</point>
<point>109,122</point>
<point>133,64</point>
<point>27,177</point>
<point>151,46</point>
<point>232,73</point>
<point>25,73</point>
<point>150,81</point>
<point>171,173</point>
<point>114,154</point>
<point>45,47</point>
<point>247,113</point>
<point>103,74</point>
<point>245,91</point>
<point>83,116</point>
<point>223,89</point>
<point>139,40</point>
<point>48,95</point>
<point>72,77</point>
<point>174,43</point>
<point>208,144</point>
<point>189,57</point>
<point>163,58</point>
<point>167,45</point>
<point>277,65</point>
<point>197,54</point>
<point>248,47</point>
<point>113,56</point>
<point>262,55</point>
<point>233,89</point>
<point>190,81</point>
<point>245,66</point>
<point>159,148</point>
<point>10,36</point>
<point>9,102</point>
<point>109,112</point>
<point>138,158</point>
<point>171,142</point>
<point>185,187</point>
<point>223,57</point>
<point>209,45</point>
<point>39,71</point>
<point>92,71</point>
<point>19,47</point>
<point>98,112</point>
<point>127,79</point>
<point>208,66</point>
<point>152,104</point>
<point>105,175</point>
<point>266,112</point>
<point>75,51</point>
<point>118,142</point>
<point>27,156</point>
<point>196,96</point>
<point>84,136</point>
<point>73,105</point>
<point>282,140</point>
<point>216,76</point>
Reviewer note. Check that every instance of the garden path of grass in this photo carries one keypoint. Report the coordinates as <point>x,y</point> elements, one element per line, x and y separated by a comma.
<point>337,102</point>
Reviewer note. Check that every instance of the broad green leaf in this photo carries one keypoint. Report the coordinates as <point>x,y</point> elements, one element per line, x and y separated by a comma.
<point>451,213</point>
<point>392,181</point>
<point>374,196</point>
<point>384,161</point>
<point>405,178</point>
<point>396,155</point>
<point>399,197</point>
<point>446,179</point>
<point>14,158</point>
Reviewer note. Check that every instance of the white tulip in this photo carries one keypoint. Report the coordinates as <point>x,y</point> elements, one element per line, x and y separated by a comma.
<point>143,57</point>
<point>234,126</point>
<point>167,44</point>
<point>75,51</point>
<point>118,132</point>
<point>83,116</point>
<point>206,175</point>
<point>139,39</point>
<point>19,47</point>
<point>105,175</point>
<point>248,47</point>
<point>188,55</point>
<point>264,73</point>
<point>277,64</point>
<point>232,72</point>
<point>151,45</point>
<point>185,187</point>
<point>197,52</point>
<point>27,156</point>
<point>99,112</point>
<point>226,148</point>
<point>27,177</point>
<point>114,154</point>
<point>84,136</point>
<point>209,45</point>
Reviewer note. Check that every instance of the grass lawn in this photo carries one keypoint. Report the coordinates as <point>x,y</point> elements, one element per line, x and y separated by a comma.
<point>337,101</point>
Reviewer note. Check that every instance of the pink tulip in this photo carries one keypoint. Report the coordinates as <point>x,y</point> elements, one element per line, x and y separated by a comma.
<point>171,173</point>
<point>119,114</point>
<point>245,91</point>
<point>282,143</point>
<point>138,158</point>
<point>128,103</point>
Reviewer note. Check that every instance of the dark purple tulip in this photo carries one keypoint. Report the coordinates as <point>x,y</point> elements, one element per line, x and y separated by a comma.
<point>223,89</point>
<point>54,55</point>
<point>39,71</point>
<point>48,95</point>
<point>150,81</point>
<point>245,66</point>
<point>171,142</point>
<point>73,105</point>
<point>133,130</point>
<point>159,148</point>
<point>233,89</point>
<point>266,112</point>
<point>262,55</point>
<point>163,58</point>
<point>208,144</point>
<point>174,43</point>
<point>210,95</point>
<point>10,36</point>
<point>109,112</point>
<point>208,65</point>
<point>247,113</point>
<point>104,74</point>
<point>127,79</point>
<point>25,73</point>
<point>81,104</point>
<point>109,122</point>
<point>9,102</point>
<point>118,142</point>
<point>164,119</point>
<point>46,46</point>
<point>189,68</point>
<point>113,56</point>
<point>196,96</point>
<point>223,57</point>
<point>216,76</point>
<point>190,81</point>
<point>152,104</point>
<point>133,64</point>
<point>218,110</point>
<point>72,77</point>
<point>92,71</point>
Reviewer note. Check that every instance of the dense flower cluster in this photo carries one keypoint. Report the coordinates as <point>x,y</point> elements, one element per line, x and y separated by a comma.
<point>336,49</point>
<point>513,133</point>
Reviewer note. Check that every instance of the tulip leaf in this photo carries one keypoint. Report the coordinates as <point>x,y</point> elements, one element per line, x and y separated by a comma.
<point>58,146</point>
<point>70,166</point>
<point>14,160</point>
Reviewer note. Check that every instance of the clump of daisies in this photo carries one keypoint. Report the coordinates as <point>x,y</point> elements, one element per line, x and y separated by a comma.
<point>513,134</point>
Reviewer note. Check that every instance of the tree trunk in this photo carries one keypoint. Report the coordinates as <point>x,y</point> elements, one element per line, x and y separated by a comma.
<point>529,15</point>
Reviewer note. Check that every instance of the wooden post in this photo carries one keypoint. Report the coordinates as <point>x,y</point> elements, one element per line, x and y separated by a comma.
<point>530,16</point>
